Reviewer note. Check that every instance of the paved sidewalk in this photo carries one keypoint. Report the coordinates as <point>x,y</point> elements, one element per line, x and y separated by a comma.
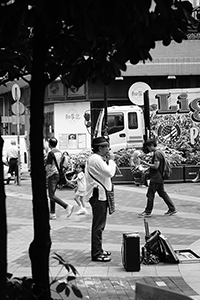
<point>71,239</point>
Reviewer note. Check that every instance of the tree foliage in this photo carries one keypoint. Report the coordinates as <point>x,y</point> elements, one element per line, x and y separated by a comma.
<point>87,39</point>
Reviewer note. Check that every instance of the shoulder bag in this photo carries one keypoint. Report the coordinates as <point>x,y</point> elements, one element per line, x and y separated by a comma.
<point>109,196</point>
<point>62,179</point>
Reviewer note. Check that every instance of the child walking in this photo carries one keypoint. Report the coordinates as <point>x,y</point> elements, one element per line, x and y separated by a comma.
<point>79,179</point>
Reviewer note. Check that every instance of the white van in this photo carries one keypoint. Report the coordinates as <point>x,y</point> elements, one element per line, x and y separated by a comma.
<point>126,127</point>
<point>23,149</point>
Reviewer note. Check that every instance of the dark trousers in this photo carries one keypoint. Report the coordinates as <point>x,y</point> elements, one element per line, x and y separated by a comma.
<point>52,182</point>
<point>13,166</point>
<point>159,188</point>
<point>99,215</point>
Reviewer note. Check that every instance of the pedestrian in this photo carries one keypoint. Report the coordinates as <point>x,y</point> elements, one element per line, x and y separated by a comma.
<point>12,159</point>
<point>156,168</point>
<point>66,160</point>
<point>80,181</point>
<point>45,150</point>
<point>52,173</point>
<point>100,168</point>
<point>139,171</point>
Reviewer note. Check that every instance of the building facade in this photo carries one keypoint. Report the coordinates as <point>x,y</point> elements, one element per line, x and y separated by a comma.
<point>174,67</point>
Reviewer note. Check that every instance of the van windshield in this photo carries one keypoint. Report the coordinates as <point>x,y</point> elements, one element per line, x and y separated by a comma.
<point>115,122</point>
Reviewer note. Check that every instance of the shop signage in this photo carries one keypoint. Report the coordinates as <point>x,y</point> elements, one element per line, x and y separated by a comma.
<point>6,119</point>
<point>175,116</point>
<point>136,92</point>
<point>182,105</point>
<point>72,116</point>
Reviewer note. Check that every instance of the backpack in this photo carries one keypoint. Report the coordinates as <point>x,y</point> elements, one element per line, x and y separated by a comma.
<point>158,249</point>
<point>167,170</point>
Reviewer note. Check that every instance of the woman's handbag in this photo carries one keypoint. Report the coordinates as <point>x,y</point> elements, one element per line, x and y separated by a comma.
<point>109,196</point>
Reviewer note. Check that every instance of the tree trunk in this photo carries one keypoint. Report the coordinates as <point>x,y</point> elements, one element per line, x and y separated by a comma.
<point>40,247</point>
<point>3,230</point>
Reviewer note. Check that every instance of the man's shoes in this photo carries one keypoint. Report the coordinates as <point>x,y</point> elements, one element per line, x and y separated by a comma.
<point>170,212</point>
<point>102,258</point>
<point>144,215</point>
<point>82,211</point>
<point>53,216</point>
<point>106,253</point>
<point>69,210</point>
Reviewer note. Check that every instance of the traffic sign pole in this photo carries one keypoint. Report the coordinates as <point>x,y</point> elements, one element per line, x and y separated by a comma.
<point>18,139</point>
<point>16,93</point>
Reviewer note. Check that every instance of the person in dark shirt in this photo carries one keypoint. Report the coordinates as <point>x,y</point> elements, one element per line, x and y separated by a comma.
<point>52,174</point>
<point>156,169</point>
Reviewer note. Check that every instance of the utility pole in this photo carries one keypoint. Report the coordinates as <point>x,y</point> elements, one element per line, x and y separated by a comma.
<point>105,130</point>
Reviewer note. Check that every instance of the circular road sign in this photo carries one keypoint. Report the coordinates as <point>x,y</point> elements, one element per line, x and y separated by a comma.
<point>18,108</point>
<point>16,92</point>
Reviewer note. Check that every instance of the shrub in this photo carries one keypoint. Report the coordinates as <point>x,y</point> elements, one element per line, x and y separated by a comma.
<point>25,289</point>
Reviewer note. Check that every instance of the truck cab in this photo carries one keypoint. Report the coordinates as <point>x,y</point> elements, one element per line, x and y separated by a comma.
<point>125,126</point>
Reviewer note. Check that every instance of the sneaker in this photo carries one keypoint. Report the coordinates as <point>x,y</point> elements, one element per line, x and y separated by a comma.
<point>82,211</point>
<point>144,215</point>
<point>69,210</point>
<point>170,212</point>
<point>53,216</point>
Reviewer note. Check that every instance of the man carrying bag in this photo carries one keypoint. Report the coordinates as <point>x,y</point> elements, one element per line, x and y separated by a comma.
<point>99,171</point>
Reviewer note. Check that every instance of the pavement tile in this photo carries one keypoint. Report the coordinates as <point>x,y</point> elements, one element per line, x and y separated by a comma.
<point>71,239</point>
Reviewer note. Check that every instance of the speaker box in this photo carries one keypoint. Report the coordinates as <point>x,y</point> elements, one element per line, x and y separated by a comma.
<point>131,252</point>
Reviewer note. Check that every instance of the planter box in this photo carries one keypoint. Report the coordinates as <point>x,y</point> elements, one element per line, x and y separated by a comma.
<point>177,174</point>
<point>183,173</point>
<point>123,176</point>
<point>190,172</point>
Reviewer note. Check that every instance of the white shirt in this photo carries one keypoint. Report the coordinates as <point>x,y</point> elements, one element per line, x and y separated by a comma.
<point>101,171</point>
<point>81,182</point>
<point>12,152</point>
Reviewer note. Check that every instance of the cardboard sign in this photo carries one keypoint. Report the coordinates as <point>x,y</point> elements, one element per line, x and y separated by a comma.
<point>148,292</point>
<point>187,256</point>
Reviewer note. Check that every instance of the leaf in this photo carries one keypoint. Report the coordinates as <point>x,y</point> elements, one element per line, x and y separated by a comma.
<point>59,258</point>
<point>9,275</point>
<point>73,269</point>
<point>60,287</point>
<point>76,291</point>
<point>67,267</point>
<point>67,291</point>
<point>53,281</point>
<point>70,278</point>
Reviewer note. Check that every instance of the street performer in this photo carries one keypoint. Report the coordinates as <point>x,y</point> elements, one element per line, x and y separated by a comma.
<point>99,171</point>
